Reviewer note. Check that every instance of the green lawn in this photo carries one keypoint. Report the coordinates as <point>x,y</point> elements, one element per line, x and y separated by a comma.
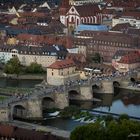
<point>3,98</point>
<point>11,90</point>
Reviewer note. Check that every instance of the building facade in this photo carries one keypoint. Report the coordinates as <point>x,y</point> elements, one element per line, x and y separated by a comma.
<point>62,72</point>
<point>105,43</point>
<point>27,54</point>
<point>72,16</point>
<point>125,61</point>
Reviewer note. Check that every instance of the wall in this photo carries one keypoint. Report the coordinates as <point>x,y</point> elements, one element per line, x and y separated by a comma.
<point>44,60</point>
<point>61,76</point>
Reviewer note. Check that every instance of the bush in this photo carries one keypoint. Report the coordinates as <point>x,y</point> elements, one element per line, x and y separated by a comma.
<point>113,131</point>
<point>34,68</point>
<point>123,117</point>
<point>70,111</point>
<point>108,118</point>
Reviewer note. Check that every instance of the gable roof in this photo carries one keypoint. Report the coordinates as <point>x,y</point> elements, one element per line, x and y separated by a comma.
<point>87,9</point>
<point>62,64</point>
<point>131,57</point>
<point>127,57</point>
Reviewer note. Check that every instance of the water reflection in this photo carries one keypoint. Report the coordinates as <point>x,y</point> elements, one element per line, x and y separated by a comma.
<point>4,82</point>
<point>124,102</point>
<point>65,124</point>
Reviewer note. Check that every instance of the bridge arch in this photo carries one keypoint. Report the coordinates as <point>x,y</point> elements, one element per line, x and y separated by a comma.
<point>19,112</point>
<point>132,79</point>
<point>73,94</point>
<point>95,86</point>
<point>116,84</point>
<point>47,102</point>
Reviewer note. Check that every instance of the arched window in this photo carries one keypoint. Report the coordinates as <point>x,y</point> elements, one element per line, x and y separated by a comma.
<point>72,19</point>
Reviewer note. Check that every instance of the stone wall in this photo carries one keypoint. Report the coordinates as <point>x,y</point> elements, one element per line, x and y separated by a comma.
<point>34,108</point>
<point>86,93</point>
<point>61,100</point>
<point>106,87</point>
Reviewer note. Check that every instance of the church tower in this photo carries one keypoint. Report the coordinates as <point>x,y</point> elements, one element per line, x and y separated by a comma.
<point>64,7</point>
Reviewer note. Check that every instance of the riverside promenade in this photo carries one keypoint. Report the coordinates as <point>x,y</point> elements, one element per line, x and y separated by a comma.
<point>53,130</point>
<point>132,88</point>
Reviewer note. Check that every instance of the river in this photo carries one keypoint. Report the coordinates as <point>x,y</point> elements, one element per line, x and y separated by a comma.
<point>18,83</point>
<point>123,101</point>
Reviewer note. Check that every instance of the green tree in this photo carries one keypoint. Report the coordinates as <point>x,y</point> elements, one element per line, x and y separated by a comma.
<point>97,58</point>
<point>123,116</point>
<point>69,111</point>
<point>89,132</point>
<point>115,130</point>
<point>123,129</point>
<point>13,66</point>
<point>34,68</point>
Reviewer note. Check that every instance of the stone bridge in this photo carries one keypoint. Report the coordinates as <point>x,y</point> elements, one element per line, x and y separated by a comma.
<point>31,106</point>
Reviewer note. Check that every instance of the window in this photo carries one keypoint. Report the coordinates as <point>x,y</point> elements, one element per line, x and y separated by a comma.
<point>72,19</point>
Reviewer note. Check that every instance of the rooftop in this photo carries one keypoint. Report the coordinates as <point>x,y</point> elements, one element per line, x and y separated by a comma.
<point>60,64</point>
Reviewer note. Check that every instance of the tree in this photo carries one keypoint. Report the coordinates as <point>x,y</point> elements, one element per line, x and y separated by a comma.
<point>115,130</point>
<point>122,130</point>
<point>13,66</point>
<point>123,116</point>
<point>34,68</point>
<point>97,58</point>
<point>89,132</point>
<point>69,111</point>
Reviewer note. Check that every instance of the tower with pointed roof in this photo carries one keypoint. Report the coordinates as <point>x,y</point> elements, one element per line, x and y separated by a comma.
<point>64,7</point>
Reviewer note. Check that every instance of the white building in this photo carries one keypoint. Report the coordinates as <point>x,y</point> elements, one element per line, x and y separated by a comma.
<point>129,19</point>
<point>88,14</point>
<point>26,54</point>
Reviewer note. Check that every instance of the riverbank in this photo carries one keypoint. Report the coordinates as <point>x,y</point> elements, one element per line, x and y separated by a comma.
<point>131,88</point>
<point>23,76</point>
<point>12,91</point>
<point>65,135</point>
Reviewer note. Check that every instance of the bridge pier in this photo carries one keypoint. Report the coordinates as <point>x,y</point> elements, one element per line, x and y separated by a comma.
<point>34,109</point>
<point>106,87</point>
<point>86,93</point>
<point>61,100</point>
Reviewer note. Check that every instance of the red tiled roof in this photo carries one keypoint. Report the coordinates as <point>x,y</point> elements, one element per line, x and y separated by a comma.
<point>132,57</point>
<point>64,40</point>
<point>6,130</point>
<point>132,14</point>
<point>21,133</point>
<point>76,57</point>
<point>87,10</point>
<point>60,64</point>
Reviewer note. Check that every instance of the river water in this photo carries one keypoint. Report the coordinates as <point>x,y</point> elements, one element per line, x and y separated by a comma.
<point>123,101</point>
<point>18,83</point>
